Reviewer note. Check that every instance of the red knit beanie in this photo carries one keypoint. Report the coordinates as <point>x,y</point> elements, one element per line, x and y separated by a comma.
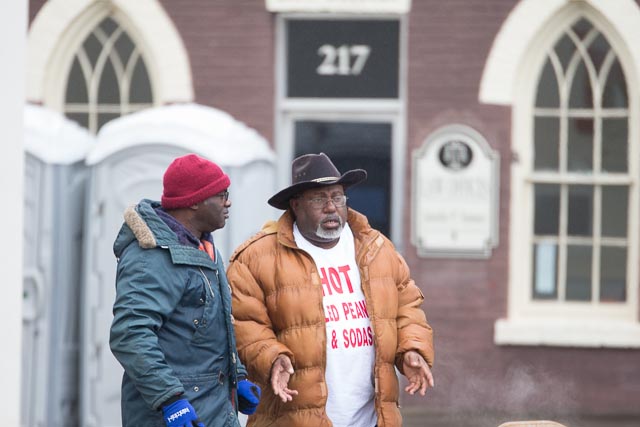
<point>191,179</point>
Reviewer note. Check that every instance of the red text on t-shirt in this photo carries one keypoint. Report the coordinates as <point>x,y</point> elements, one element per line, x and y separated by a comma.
<point>333,279</point>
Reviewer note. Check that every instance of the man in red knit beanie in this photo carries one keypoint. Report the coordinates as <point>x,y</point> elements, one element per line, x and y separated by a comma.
<point>172,329</point>
<point>191,179</point>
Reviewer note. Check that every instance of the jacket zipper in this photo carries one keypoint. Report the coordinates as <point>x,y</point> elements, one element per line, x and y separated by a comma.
<point>208,281</point>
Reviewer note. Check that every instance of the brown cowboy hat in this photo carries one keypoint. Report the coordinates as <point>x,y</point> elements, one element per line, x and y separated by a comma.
<point>314,170</point>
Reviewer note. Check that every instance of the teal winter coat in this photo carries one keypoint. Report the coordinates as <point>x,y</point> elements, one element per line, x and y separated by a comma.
<point>172,329</point>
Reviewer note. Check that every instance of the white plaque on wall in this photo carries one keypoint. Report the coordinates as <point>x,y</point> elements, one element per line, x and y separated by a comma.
<point>455,194</point>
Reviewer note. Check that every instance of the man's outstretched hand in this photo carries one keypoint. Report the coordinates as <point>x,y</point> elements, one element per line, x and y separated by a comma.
<point>417,371</point>
<point>281,371</point>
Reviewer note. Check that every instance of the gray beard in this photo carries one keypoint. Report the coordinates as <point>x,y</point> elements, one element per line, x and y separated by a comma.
<point>330,234</point>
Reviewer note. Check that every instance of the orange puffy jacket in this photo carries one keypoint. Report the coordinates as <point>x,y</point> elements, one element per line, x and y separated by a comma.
<point>277,305</point>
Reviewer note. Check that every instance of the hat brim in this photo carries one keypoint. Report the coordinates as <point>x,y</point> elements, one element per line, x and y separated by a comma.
<point>350,178</point>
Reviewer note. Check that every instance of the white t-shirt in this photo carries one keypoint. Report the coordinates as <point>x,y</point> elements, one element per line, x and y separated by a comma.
<point>350,351</point>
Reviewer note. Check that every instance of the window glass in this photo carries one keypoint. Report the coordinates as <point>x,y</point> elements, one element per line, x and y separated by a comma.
<point>545,262</point>
<point>355,145</point>
<point>614,144</point>
<point>548,95</point>
<point>565,50</point>
<point>580,150</point>
<point>580,217</point>
<point>615,89</point>
<point>125,47</point>
<point>76,85</point>
<point>615,202</point>
<point>578,273</point>
<point>109,90</point>
<point>598,50</point>
<point>547,212</point>
<point>581,94</point>
<point>140,83</point>
<point>546,140</point>
<point>581,28</point>
<point>109,26</point>
<point>613,272</point>
<point>92,48</point>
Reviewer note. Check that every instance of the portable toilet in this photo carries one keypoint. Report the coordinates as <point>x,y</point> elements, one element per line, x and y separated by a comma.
<point>127,165</point>
<point>54,197</point>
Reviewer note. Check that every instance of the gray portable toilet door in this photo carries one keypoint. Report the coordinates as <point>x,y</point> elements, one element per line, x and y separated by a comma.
<point>55,184</point>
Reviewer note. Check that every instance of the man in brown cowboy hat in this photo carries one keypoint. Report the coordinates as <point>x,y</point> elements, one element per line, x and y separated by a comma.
<point>325,309</point>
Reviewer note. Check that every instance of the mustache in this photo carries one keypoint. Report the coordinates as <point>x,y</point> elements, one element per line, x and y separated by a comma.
<point>332,217</point>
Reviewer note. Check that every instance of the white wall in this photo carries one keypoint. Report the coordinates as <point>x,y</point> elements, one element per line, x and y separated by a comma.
<point>13,28</point>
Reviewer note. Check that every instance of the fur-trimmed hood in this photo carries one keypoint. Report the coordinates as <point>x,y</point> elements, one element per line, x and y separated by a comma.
<point>144,235</point>
<point>143,225</point>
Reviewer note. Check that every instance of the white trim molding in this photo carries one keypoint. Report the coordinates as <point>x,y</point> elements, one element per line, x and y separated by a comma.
<point>568,333</point>
<point>339,6</point>
<point>61,25</point>
<point>526,22</point>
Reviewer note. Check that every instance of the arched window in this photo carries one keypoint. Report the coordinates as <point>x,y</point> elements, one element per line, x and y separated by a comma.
<point>97,60</point>
<point>108,78</point>
<point>580,174</point>
<point>574,212</point>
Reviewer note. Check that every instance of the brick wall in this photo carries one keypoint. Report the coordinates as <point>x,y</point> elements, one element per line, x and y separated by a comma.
<point>231,50</point>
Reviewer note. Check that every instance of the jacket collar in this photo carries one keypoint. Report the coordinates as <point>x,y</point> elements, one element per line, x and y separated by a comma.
<point>151,231</point>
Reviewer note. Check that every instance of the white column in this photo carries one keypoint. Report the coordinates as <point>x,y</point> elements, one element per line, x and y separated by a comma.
<point>13,30</point>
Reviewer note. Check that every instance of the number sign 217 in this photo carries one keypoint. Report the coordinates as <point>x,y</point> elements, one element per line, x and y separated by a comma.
<point>345,60</point>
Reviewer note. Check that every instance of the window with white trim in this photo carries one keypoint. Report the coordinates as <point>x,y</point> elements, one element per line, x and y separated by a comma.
<point>108,78</point>
<point>573,278</point>
<point>580,174</point>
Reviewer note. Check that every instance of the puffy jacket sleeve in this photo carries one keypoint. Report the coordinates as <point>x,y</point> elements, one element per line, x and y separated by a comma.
<point>256,340</point>
<point>414,333</point>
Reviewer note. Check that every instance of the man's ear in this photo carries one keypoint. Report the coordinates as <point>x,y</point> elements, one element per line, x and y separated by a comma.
<point>294,203</point>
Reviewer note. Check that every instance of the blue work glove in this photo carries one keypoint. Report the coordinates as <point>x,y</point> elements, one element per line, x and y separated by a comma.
<point>248,397</point>
<point>181,414</point>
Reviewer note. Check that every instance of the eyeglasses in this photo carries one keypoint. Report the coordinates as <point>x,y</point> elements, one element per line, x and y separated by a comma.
<point>223,195</point>
<point>321,202</point>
